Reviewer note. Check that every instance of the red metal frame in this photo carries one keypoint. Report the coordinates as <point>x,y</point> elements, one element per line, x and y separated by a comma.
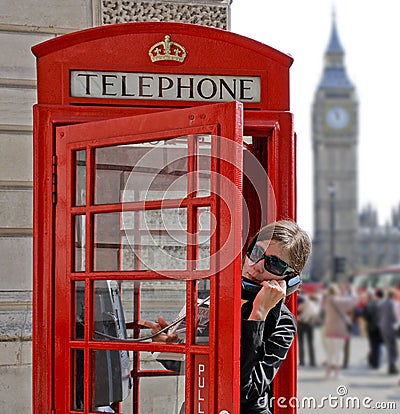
<point>214,119</point>
<point>211,51</point>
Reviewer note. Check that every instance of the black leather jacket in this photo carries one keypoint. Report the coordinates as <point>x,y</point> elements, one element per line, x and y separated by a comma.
<point>264,345</point>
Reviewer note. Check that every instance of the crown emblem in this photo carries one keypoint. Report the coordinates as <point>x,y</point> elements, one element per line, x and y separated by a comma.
<point>167,50</point>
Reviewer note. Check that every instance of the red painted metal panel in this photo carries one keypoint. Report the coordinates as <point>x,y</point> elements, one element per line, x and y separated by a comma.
<point>43,242</point>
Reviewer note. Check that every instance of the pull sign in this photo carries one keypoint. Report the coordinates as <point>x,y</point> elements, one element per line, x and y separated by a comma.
<point>201,385</point>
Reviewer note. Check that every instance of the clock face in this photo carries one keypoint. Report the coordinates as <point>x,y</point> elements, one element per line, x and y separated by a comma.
<point>337,117</point>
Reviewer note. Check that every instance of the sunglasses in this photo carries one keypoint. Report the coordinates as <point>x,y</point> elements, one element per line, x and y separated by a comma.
<point>272,264</point>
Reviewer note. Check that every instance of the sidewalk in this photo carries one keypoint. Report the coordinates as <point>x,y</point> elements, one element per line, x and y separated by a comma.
<point>358,390</point>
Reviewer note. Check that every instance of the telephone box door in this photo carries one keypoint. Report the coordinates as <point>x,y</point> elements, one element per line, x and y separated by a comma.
<point>148,228</point>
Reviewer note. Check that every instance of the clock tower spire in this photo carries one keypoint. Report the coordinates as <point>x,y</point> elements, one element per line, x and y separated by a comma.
<point>335,137</point>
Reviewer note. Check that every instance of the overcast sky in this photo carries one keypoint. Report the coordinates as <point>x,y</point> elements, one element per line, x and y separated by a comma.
<point>370,33</point>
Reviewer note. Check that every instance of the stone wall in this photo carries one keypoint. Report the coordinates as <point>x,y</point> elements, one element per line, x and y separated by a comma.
<point>209,13</point>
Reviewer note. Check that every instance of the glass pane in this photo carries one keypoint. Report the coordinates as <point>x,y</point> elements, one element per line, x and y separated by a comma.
<point>248,139</point>
<point>163,239</point>
<point>80,310</point>
<point>203,165</point>
<point>162,394</point>
<point>108,242</point>
<point>161,361</point>
<point>111,379</point>
<point>164,298</point>
<point>142,171</point>
<point>80,177</point>
<point>122,307</point>
<point>204,223</point>
<point>109,320</point>
<point>203,311</point>
<point>80,243</point>
<point>77,379</point>
<point>139,240</point>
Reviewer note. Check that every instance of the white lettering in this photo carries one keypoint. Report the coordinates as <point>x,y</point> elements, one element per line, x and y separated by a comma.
<point>201,369</point>
<point>173,87</point>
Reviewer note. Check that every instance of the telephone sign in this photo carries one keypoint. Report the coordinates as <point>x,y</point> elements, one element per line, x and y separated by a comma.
<point>206,88</point>
<point>159,150</point>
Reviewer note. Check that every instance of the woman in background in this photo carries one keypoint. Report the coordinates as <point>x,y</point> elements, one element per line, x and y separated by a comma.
<point>337,326</point>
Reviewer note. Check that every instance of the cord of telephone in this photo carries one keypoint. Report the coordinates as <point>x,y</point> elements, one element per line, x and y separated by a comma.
<point>147,337</point>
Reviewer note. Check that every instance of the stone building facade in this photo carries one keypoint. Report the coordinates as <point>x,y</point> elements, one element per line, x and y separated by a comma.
<point>379,245</point>
<point>22,25</point>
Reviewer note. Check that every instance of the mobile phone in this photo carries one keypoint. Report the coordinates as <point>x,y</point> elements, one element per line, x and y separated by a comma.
<point>251,288</point>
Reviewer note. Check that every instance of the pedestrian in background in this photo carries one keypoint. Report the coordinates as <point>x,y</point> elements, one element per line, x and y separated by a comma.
<point>308,316</point>
<point>351,324</point>
<point>371,317</point>
<point>388,325</point>
<point>337,327</point>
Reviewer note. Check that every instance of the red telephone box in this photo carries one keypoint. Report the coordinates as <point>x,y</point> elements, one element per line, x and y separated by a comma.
<point>159,149</point>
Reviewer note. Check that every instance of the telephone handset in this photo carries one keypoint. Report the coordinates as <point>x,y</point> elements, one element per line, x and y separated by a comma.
<point>251,288</point>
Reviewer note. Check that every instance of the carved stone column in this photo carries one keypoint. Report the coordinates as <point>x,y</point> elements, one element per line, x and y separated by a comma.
<point>215,13</point>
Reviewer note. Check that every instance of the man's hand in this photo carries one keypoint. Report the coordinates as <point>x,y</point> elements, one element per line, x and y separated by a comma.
<point>271,293</point>
<point>157,326</point>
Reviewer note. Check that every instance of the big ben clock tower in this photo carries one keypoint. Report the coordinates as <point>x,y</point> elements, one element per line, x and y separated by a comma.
<point>335,132</point>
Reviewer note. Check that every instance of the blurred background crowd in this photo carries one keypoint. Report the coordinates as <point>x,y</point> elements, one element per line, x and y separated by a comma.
<point>339,312</point>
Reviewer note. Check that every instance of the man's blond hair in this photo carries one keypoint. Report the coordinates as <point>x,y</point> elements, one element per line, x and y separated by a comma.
<point>295,241</point>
